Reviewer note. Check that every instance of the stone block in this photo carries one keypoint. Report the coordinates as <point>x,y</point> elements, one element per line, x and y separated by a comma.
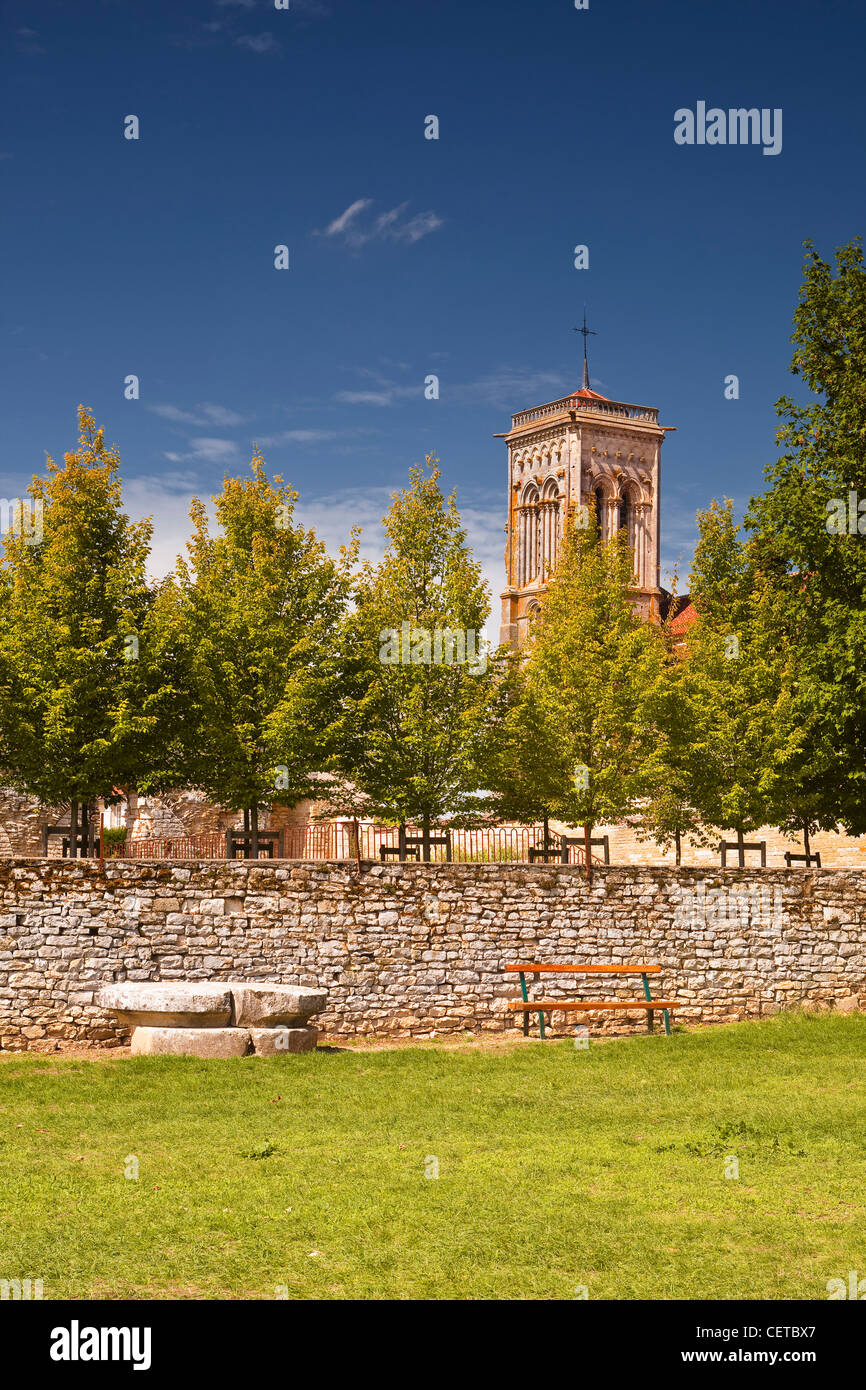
<point>849,1005</point>
<point>271,1006</point>
<point>274,1042</point>
<point>191,1042</point>
<point>174,1005</point>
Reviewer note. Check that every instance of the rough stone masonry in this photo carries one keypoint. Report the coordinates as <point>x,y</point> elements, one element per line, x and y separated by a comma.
<point>415,950</point>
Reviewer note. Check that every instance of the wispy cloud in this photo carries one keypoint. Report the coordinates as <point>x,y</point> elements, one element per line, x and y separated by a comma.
<point>205,414</point>
<point>27,41</point>
<point>258,43</point>
<point>387,396</point>
<point>500,388</point>
<point>506,387</point>
<point>353,229</point>
<point>207,450</point>
<point>269,441</point>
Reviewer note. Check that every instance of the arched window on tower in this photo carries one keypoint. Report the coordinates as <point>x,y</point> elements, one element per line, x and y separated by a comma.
<point>599,511</point>
<point>625,517</point>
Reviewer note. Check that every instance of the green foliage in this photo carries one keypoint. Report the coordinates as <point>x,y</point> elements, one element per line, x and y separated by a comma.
<point>413,730</point>
<point>815,576</point>
<point>113,835</point>
<point>71,721</point>
<point>255,616</point>
<point>581,696</point>
<point>730,683</point>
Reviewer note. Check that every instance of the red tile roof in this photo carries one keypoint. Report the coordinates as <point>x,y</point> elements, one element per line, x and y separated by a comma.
<point>684,619</point>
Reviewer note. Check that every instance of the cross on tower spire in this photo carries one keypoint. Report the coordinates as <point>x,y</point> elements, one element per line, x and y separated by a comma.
<point>587,332</point>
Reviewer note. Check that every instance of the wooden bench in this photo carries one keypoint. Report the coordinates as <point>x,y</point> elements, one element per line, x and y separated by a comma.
<point>528,1006</point>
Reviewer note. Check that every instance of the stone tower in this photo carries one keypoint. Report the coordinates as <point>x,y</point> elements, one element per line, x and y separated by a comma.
<point>581,450</point>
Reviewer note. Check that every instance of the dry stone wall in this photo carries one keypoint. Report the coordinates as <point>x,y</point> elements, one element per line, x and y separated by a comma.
<point>418,950</point>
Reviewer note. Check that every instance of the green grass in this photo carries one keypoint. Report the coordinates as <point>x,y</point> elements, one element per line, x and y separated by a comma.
<point>558,1168</point>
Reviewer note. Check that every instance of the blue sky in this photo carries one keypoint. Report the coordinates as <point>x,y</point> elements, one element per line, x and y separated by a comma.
<point>305,127</point>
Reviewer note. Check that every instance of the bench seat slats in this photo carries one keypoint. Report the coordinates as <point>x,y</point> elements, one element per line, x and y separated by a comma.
<point>537,1005</point>
<point>536,969</point>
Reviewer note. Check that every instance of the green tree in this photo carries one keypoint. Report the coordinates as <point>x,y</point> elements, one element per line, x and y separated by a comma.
<point>257,611</point>
<point>521,774</point>
<point>73,599</point>
<point>808,534</point>
<point>746,729</point>
<point>418,694</point>
<point>590,663</point>
<point>668,813</point>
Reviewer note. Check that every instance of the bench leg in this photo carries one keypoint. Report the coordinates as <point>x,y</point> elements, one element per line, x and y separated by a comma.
<point>667,1022</point>
<point>523,991</point>
<point>540,1019</point>
<point>647,995</point>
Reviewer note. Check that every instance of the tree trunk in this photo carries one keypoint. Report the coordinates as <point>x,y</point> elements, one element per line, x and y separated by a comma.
<point>356,835</point>
<point>679,846</point>
<point>425,836</point>
<point>254,832</point>
<point>73,829</point>
<point>587,850</point>
<point>546,841</point>
<point>741,853</point>
<point>806,841</point>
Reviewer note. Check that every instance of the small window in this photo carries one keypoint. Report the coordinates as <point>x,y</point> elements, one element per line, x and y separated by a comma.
<point>599,510</point>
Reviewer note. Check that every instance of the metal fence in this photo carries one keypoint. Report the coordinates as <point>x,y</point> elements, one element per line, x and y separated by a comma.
<point>320,840</point>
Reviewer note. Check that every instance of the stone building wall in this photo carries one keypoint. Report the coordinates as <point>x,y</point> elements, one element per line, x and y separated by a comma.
<point>185,813</point>
<point>178,813</point>
<point>418,950</point>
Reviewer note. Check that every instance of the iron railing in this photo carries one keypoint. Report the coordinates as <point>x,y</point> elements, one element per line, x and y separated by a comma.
<point>322,840</point>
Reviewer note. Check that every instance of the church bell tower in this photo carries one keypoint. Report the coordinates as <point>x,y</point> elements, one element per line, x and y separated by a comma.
<point>581,450</point>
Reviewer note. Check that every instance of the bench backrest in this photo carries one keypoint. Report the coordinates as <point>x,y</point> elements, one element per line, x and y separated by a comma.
<point>535,968</point>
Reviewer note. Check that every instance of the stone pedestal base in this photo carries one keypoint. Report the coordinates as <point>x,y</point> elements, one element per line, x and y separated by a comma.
<point>271,1042</point>
<point>191,1042</point>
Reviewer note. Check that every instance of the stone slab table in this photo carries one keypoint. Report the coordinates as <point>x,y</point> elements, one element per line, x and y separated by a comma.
<point>215,1019</point>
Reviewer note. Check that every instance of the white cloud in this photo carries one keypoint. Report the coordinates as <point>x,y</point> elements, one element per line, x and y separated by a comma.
<point>167,501</point>
<point>387,396</point>
<point>199,415</point>
<point>206,450</point>
<point>388,226</point>
<point>341,224</point>
<point>258,43</point>
<point>507,385</point>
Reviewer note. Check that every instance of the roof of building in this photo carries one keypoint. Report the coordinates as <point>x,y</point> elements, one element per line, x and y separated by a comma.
<point>593,395</point>
<point>684,618</point>
<point>679,609</point>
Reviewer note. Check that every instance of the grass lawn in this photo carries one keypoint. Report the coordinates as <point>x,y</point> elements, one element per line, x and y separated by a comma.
<point>557,1168</point>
